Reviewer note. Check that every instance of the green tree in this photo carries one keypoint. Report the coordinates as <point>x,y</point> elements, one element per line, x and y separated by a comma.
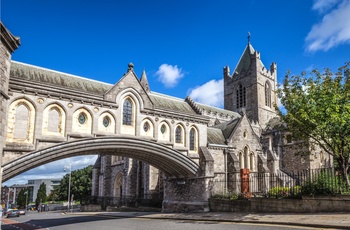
<point>53,195</point>
<point>81,184</point>
<point>22,198</point>
<point>318,111</point>
<point>41,195</point>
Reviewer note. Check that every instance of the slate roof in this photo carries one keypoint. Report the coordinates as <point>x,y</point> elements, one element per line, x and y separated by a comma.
<point>223,112</point>
<point>227,127</point>
<point>215,136</point>
<point>170,103</point>
<point>42,75</point>
<point>245,60</point>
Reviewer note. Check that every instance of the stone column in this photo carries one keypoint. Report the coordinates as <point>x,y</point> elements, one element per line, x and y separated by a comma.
<point>8,44</point>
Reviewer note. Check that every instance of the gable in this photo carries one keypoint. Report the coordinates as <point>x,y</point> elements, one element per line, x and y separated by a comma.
<point>131,82</point>
<point>243,134</point>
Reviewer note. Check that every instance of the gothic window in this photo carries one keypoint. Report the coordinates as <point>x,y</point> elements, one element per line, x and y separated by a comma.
<point>241,162</point>
<point>55,119</point>
<point>82,121</point>
<point>267,94</point>
<point>163,129</point>
<point>164,132</point>
<point>22,122</point>
<point>82,118</point>
<point>193,139</point>
<point>178,134</point>
<point>241,97</point>
<point>246,158</point>
<point>106,122</point>
<point>146,126</point>
<point>118,186</point>
<point>127,112</point>
<point>252,161</point>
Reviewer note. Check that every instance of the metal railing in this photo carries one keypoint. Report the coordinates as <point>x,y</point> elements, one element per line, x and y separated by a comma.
<point>325,181</point>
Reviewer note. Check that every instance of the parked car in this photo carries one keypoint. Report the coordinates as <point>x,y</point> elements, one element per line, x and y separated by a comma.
<point>22,212</point>
<point>12,213</point>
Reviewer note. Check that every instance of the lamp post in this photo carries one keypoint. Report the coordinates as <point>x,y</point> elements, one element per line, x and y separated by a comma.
<point>70,175</point>
<point>8,198</point>
<point>26,206</point>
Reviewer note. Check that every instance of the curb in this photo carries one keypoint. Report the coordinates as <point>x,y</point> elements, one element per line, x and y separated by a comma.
<point>313,225</point>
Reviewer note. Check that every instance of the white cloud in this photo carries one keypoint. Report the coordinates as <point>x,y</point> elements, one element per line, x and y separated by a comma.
<point>211,93</point>
<point>324,5</point>
<point>334,29</point>
<point>169,75</point>
<point>52,170</point>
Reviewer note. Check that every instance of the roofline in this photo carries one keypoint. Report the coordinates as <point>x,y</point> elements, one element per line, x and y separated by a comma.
<point>58,72</point>
<point>217,145</point>
<point>168,96</point>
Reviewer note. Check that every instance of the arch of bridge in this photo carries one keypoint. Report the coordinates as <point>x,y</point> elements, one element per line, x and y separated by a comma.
<point>168,160</point>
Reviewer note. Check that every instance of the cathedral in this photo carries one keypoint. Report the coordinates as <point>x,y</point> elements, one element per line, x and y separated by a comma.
<point>243,135</point>
<point>151,147</point>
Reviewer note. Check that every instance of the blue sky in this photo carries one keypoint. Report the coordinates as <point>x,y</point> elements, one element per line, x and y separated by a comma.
<point>182,45</point>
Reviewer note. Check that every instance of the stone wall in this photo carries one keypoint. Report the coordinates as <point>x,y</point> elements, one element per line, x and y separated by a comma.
<point>186,195</point>
<point>271,205</point>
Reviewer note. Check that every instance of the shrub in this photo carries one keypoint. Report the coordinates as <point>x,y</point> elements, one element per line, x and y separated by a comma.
<point>324,183</point>
<point>296,191</point>
<point>231,196</point>
<point>279,192</point>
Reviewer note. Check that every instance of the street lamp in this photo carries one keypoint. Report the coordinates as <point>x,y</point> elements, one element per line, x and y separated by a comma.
<point>69,166</point>
<point>26,206</point>
<point>8,198</point>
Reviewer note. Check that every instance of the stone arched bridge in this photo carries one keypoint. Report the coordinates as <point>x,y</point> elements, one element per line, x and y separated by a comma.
<point>168,160</point>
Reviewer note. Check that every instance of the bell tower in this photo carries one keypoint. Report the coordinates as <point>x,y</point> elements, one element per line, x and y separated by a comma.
<point>251,88</point>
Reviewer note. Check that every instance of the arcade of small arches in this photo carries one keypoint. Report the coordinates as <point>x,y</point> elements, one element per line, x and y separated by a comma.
<point>23,116</point>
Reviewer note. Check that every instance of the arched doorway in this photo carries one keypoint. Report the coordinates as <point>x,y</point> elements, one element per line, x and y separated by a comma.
<point>118,188</point>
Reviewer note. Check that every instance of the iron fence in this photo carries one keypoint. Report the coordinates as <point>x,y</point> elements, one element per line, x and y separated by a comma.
<point>325,181</point>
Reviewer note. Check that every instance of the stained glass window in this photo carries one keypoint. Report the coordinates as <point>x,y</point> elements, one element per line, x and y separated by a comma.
<point>178,134</point>
<point>192,139</point>
<point>82,118</point>
<point>127,112</point>
<point>146,126</point>
<point>163,129</point>
<point>106,121</point>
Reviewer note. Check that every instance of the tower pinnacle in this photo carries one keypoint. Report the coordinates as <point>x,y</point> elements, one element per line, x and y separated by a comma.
<point>248,37</point>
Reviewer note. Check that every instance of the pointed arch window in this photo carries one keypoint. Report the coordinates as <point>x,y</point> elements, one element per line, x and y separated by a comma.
<point>252,162</point>
<point>193,139</point>
<point>22,122</point>
<point>267,94</point>
<point>241,96</point>
<point>178,134</point>
<point>241,161</point>
<point>127,112</point>
<point>246,158</point>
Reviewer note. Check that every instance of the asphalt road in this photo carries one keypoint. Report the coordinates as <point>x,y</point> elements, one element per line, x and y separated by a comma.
<point>58,221</point>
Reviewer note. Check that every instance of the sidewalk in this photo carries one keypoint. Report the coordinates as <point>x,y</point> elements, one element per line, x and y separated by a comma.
<point>321,220</point>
